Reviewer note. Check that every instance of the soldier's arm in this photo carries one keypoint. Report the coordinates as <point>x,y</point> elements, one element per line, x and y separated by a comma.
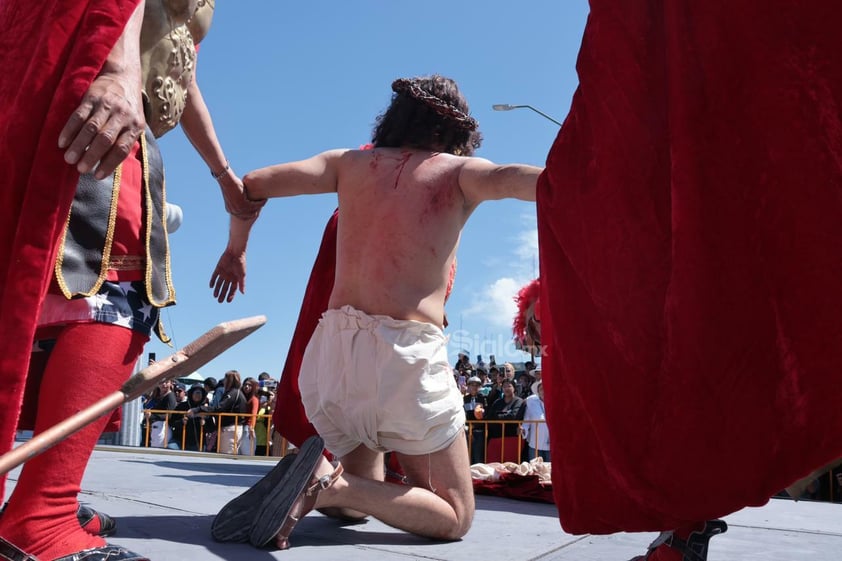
<point>197,124</point>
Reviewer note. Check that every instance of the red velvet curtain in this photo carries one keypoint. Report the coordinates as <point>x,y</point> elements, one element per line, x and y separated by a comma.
<point>690,233</point>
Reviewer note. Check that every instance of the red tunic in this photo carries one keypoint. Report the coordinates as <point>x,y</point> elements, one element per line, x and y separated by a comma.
<point>52,51</point>
<point>690,234</point>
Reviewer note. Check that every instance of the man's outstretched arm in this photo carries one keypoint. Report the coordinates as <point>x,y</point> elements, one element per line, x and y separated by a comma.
<point>306,177</point>
<point>482,180</point>
<point>311,176</point>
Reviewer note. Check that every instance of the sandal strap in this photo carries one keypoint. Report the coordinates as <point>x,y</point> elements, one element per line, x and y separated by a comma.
<point>325,481</point>
<point>305,503</point>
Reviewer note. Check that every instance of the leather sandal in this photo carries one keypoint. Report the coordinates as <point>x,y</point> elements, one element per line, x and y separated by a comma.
<point>305,503</point>
<point>694,548</point>
<point>294,498</point>
<point>10,552</point>
<point>233,522</point>
<point>302,506</point>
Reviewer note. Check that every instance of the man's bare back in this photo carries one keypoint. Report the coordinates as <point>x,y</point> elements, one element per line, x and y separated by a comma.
<point>401,213</point>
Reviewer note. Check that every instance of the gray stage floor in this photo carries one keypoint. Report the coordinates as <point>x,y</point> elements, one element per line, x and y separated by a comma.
<point>165,502</point>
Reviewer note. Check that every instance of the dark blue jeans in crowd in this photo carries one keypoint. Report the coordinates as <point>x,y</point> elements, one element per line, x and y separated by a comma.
<point>531,453</point>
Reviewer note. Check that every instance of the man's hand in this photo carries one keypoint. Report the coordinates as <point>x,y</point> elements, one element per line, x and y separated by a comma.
<point>235,199</point>
<point>230,272</point>
<point>229,275</point>
<point>105,126</point>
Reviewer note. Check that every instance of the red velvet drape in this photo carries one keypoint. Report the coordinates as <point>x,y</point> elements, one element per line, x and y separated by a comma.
<point>51,50</point>
<point>690,233</point>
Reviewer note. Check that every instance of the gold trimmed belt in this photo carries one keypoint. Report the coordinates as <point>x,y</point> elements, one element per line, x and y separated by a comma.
<point>127,263</point>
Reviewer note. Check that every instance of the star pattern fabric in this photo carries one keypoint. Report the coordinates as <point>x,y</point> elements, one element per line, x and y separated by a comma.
<point>118,303</point>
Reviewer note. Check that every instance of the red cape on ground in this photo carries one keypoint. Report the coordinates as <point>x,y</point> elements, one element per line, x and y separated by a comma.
<point>514,486</point>
<point>52,50</point>
<point>690,234</point>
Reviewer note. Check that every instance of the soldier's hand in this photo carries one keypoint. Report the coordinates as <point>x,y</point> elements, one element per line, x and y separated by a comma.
<point>236,199</point>
<point>105,126</point>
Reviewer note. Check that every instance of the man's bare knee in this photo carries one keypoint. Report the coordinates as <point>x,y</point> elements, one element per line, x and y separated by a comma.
<point>459,498</point>
<point>446,474</point>
<point>463,506</point>
<point>464,521</point>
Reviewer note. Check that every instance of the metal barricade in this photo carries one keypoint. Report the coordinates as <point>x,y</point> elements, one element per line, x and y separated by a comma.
<point>241,420</point>
<point>500,441</point>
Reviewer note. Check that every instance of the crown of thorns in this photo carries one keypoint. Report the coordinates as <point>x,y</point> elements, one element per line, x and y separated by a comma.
<point>440,106</point>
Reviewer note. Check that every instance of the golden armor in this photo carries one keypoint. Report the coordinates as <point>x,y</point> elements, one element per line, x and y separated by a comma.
<point>171,30</point>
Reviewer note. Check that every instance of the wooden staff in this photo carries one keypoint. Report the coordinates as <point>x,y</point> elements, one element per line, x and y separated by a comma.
<point>187,360</point>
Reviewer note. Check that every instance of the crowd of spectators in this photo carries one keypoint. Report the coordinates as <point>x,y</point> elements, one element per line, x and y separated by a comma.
<point>233,415</point>
<point>230,416</point>
<point>500,392</point>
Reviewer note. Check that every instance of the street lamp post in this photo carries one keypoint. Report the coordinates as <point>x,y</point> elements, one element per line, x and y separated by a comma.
<point>507,107</point>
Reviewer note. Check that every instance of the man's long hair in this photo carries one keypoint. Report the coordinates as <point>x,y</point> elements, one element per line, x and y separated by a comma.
<point>428,113</point>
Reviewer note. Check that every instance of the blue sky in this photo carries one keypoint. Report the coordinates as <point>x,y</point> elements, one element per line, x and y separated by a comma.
<point>286,80</point>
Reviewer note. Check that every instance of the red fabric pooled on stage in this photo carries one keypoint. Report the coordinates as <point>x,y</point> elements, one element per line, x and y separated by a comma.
<point>690,234</point>
<point>289,418</point>
<point>514,486</point>
<point>52,50</point>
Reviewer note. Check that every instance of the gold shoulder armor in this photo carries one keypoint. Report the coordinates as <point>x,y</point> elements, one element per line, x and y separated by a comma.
<point>168,56</point>
<point>200,23</point>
